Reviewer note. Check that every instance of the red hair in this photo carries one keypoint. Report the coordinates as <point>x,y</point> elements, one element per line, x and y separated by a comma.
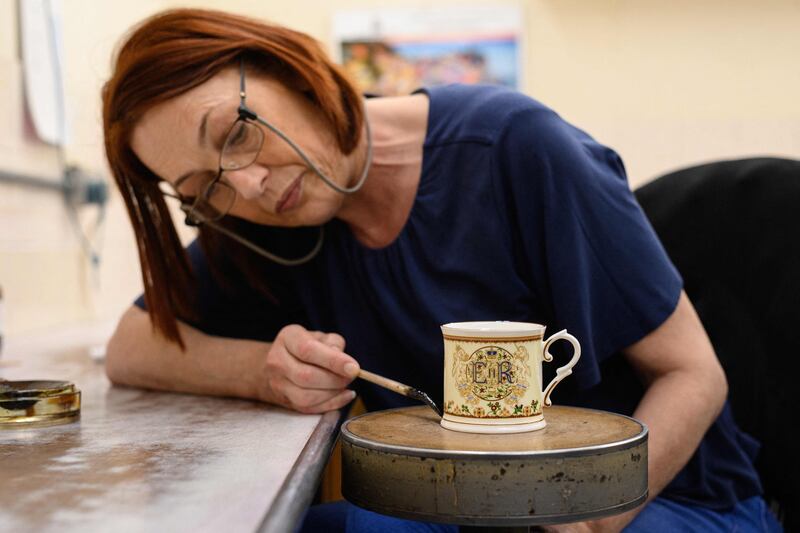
<point>167,55</point>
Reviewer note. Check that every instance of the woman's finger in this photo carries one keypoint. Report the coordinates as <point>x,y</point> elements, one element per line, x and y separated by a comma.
<point>310,400</point>
<point>331,339</point>
<point>309,376</point>
<point>304,346</point>
<point>337,402</point>
<point>335,340</point>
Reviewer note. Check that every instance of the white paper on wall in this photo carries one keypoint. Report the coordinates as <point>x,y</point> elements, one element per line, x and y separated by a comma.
<point>40,38</point>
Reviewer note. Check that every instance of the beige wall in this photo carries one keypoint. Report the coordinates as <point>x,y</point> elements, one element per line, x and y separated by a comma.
<point>672,83</point>
<point>667,84</point>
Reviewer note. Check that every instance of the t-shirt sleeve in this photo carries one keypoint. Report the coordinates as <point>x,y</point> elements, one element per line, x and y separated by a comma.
<point>594,260</point>
<point>235,311</point>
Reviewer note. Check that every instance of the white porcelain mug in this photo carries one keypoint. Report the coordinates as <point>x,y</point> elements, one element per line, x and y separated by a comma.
<point>493,375</point>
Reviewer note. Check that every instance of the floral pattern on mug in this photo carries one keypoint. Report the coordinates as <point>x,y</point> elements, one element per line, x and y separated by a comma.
<point>493,410</point>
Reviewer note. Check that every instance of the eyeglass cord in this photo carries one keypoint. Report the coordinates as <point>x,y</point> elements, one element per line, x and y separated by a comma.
<point>247,113</point>
<point>257,249</point>
<point>335,186</point>
<point>318,246</point>
<point>193,218</point>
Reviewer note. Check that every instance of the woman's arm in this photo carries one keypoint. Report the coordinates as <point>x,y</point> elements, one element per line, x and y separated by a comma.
<point>686,390</point>
<point>303,370</point>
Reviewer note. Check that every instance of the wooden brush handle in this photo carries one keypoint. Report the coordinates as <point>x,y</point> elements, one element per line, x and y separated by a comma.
<point>386,383</point>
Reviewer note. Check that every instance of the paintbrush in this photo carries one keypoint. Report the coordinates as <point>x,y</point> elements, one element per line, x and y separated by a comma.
<point>399,388</point>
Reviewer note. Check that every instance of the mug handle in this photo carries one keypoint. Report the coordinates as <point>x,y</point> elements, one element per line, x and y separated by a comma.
<point>565,370</point>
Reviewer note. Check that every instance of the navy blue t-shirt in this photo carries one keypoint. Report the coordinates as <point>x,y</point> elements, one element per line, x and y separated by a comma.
<point>518,216</point>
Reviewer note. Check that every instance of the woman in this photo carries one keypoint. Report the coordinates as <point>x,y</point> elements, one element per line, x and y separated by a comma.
<point>327,223</point>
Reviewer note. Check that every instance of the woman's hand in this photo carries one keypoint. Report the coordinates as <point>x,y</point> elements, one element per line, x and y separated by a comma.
<point>308,371</point>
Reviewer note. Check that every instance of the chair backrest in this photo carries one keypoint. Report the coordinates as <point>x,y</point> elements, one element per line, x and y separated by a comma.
<point>732,228</point>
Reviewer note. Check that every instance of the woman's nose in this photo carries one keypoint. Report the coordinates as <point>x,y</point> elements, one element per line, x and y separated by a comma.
<point>249,182</point>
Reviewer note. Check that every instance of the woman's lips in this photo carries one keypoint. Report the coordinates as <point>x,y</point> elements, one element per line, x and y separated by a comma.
<point>291,196</point>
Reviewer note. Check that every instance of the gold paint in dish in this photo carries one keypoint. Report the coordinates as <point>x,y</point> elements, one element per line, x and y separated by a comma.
<point>25,404</point>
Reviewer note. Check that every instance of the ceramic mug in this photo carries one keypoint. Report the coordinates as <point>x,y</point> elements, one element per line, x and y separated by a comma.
<point>493,375</point>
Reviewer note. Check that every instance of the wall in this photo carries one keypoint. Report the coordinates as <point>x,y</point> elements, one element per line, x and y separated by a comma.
<point>672,83</point>
<point>667,84</point>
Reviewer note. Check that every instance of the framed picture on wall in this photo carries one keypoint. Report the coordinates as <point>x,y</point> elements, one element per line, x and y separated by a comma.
<point>394,51</point>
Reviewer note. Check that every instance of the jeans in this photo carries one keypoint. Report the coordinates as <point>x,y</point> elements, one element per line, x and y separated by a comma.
<point>659,516</point>
<point>748,516</point>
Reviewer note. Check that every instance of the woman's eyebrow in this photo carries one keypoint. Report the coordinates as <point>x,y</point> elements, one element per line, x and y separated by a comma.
<point>202,139</point>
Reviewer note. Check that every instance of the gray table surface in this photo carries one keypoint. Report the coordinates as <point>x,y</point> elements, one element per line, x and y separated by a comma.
<point>148,461</point>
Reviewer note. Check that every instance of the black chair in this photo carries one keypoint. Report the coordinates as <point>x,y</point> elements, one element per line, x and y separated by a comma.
<point>732,228</point>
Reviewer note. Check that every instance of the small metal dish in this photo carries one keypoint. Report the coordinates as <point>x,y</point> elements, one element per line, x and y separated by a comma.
<point>25,404</point>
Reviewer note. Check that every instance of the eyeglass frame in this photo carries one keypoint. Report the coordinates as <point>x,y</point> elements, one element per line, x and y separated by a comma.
<point>193,218</point>
<point>248,115</point>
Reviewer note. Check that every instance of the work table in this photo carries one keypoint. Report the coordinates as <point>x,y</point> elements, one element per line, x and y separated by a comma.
<point>140,460</point>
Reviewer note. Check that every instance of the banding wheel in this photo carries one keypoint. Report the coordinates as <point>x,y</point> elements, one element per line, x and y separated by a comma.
<point>584,464</point>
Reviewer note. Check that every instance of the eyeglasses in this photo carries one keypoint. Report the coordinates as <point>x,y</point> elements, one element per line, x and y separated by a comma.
<point>209,197</point>
<point>207,194</point>
<point>206,197</point>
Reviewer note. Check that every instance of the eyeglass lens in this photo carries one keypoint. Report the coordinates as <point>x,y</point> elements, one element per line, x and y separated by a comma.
<point>213,198</point>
